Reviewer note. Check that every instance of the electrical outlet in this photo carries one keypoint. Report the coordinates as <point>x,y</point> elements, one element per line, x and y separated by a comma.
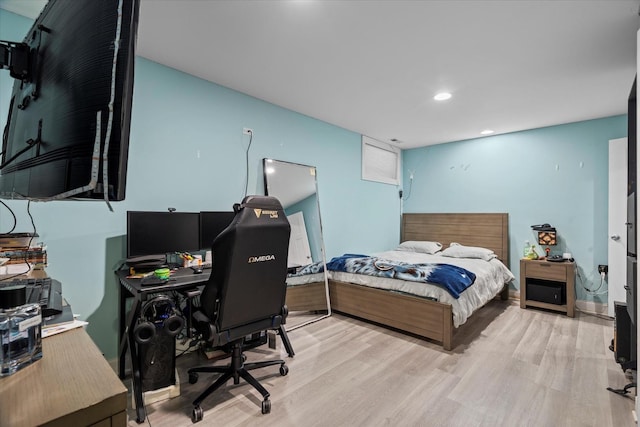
<point>603,269</point>
<point>247,131</point>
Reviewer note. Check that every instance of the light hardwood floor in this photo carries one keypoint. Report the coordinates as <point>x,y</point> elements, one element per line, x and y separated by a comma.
<point>509,367</point>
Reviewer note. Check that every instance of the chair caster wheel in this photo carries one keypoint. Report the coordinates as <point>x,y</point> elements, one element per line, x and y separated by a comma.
<point>284,370</point>
<point>193,377</point>
<point>196,414</point>
<point>266,406</point>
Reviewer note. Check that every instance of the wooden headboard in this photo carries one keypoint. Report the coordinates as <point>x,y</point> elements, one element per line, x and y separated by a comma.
<point>487,230</point>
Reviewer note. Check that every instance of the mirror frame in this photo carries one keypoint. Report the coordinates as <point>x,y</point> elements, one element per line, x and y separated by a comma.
<point>313,172</point>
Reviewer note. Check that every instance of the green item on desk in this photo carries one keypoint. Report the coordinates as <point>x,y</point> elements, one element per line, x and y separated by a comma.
<point>162,273</point>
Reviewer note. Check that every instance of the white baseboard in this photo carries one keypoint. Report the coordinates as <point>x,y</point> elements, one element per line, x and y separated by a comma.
<point>593,307</point>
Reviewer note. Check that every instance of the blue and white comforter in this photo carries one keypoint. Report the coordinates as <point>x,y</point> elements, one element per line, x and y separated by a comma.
<point>452,278</point>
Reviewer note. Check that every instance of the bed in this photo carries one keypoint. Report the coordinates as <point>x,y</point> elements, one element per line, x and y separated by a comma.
<point>418,315</point>
<point>307,292</point>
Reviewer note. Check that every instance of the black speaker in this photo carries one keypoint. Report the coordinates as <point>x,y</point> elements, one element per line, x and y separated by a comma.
<point>155,333</point>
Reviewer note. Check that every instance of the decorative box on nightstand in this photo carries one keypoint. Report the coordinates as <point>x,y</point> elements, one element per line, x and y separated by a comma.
<point>549,285</point>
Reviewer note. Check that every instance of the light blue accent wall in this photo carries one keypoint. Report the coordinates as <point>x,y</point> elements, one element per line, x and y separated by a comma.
<point>556,175</point>
<point>187,151</point>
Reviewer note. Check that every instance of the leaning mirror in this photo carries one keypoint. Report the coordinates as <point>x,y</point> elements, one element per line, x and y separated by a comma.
<point>295,185</point>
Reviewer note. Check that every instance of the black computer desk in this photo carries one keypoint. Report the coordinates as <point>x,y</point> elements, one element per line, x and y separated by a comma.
<point>182,279</point>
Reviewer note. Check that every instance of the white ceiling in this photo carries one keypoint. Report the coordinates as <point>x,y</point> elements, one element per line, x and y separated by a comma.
<point>373,66</point>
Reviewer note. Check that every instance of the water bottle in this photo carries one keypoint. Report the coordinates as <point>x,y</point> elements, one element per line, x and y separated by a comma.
<point>527,249</point>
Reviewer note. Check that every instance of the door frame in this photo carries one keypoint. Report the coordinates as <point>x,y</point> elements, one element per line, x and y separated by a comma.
<point>617,230</point>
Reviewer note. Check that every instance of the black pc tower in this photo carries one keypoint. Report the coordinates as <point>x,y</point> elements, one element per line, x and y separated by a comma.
<point>155,335</point>
<point>158,362</point>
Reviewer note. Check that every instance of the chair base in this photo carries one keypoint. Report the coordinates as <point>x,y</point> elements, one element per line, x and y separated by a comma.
<point>236,369</point>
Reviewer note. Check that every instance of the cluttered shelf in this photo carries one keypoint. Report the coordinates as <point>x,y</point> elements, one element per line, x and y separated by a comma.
<point>21,253</point>
<point>23,258</point>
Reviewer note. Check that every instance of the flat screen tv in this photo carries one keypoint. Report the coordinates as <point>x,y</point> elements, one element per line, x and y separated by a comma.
<point>67,131</point>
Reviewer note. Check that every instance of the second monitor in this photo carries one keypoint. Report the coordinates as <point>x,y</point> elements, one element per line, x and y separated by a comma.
<point>211,224</point>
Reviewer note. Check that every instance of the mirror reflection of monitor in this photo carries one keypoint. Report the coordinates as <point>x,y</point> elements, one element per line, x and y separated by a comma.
<point>158,233</point>
<point>212,224</point>
<point>67,132</point>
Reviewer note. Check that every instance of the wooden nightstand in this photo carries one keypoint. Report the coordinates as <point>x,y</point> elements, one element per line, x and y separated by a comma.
<point>551,285</point>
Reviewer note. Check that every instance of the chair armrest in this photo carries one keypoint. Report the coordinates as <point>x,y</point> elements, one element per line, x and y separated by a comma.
<point>203,325</point>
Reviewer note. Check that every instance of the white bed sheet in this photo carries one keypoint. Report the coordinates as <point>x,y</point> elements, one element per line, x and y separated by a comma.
<point>491,277</point>
<point>305,279</point>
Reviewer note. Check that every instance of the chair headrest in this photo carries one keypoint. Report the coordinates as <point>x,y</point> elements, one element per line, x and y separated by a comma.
<point>264,202</point>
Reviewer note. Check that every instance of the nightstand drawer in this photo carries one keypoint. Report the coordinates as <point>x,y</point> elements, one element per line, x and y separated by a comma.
<point>546,270</point>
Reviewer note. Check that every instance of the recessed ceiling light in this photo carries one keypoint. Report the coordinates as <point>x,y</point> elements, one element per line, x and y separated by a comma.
<point>442,96</point>
<point>486,132</point>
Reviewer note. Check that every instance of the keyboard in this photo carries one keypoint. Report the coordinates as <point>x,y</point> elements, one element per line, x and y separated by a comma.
<point>44,291</point>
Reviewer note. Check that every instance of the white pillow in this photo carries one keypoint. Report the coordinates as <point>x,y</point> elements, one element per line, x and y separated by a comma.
<point>420,246</point>
<point>456,250</point>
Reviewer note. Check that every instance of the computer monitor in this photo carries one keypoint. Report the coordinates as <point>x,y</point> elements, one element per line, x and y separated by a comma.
<point>158,233</point>
<point>212,224</point>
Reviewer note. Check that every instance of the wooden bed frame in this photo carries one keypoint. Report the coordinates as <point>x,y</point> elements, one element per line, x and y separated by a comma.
<point>420,316</point>
<point>307,297</point>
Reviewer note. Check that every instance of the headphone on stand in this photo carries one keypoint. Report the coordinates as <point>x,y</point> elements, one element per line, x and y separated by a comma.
<point>157,313</point>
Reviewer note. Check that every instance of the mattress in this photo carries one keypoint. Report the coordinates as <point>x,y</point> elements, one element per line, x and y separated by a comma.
<point>305,279</point>
<point>491,276</point>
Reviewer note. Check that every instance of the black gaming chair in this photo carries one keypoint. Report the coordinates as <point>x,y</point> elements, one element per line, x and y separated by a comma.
<point>246,291</point>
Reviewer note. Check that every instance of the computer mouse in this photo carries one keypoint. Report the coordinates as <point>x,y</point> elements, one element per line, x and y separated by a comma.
<point>196,270</point>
